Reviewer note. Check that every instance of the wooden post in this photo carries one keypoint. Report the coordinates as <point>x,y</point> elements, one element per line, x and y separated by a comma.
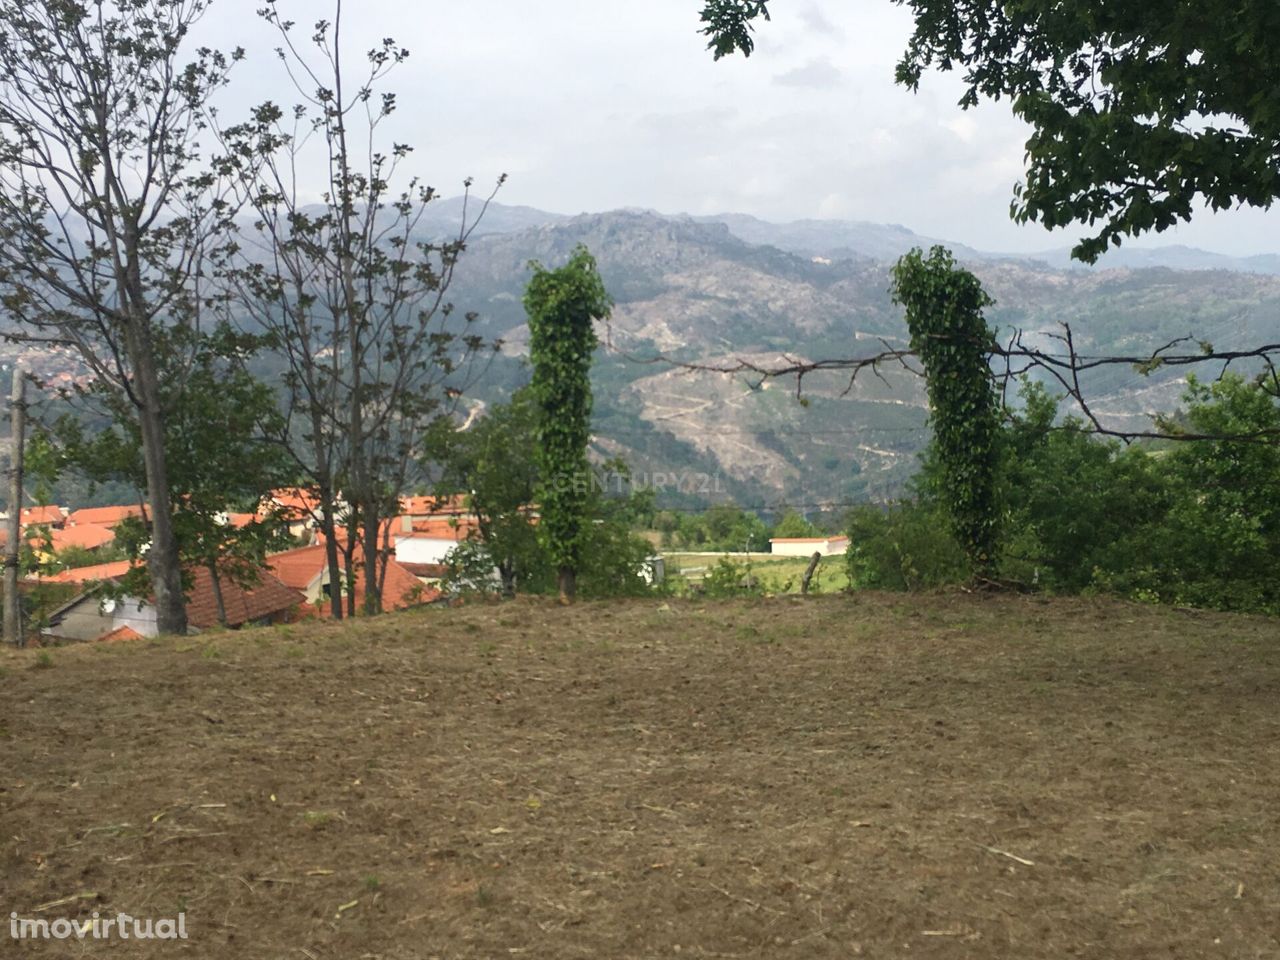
<point>13,549</point>
<point>808,574</point>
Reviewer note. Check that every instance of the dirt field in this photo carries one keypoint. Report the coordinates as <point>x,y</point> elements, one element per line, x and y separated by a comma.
<point>872,776</point>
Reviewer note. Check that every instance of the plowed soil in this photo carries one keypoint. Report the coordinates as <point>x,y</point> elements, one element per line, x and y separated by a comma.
<point>879,776</point>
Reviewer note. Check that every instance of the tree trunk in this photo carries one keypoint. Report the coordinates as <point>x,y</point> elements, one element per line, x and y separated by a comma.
<point>507,571</point>
<point>349,580</point>
<point>568,584</point>
<point>372,588</point>
<point>163,561</point>
<point>217,594</point>
<point>13,550</point>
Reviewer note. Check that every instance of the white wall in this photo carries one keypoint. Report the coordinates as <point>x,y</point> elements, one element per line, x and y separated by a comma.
<point>423,549</point>
<point>827,547</point>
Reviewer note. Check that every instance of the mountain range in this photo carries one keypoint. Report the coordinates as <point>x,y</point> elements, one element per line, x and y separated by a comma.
<point>708,291</point>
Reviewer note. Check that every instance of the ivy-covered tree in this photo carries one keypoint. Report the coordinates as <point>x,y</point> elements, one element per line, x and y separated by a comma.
<point>944,305</point>
<point>563,305</point>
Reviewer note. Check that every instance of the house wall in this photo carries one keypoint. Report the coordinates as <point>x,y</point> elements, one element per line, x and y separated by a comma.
<point>423,549</point>
<point>87,620</point>
<point>131,612</point>
<point>827,547</point>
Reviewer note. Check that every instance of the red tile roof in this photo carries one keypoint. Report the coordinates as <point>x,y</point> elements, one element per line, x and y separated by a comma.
<point>267,598</point>
<point>400,588</point>
<point>298,568</point>
<point>99,571</point>
<point>434,506</point>
<point>50,515</point>
<point>87,536</point>
<point>121,633</point>
<point>104,515</point>
<point>243,605</point>
<point>299,503</point>
<point>441,529</point>
<point>426,571</point>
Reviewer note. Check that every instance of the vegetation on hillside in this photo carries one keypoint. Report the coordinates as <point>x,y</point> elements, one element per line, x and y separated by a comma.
<point>1187,523</point>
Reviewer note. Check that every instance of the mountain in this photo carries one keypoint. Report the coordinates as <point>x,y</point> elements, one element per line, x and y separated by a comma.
<point>697,294</point>
<point>696,291</point>
<point>835,239</point>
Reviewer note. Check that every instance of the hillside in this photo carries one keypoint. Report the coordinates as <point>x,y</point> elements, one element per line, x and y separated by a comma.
<point>697,291</point>
<point>712,290</point>
<point>881,776</point>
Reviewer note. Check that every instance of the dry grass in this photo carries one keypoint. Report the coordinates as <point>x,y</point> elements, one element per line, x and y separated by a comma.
<point>939,776</point>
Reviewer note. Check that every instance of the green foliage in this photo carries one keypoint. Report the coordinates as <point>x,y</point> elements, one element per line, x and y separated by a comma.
<point>218,457</point>
<point>725,526</point>
<point>728,25</point>
<point>496,461</point>
<point>944,307</point>
<point>1193,523</point>
<point>907,546</point>
<point>1077,504</point>
<point>1137,108</point>
<point>794,525</point>
<point>728,578</point>
<point>563,305</point>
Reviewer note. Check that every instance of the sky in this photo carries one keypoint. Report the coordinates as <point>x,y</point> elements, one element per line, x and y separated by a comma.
<point>592,105</point>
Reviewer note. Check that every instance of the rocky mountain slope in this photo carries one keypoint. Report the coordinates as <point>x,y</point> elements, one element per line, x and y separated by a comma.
<point>696,291</point>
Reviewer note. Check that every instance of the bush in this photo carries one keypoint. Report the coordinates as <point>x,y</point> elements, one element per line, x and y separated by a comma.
<point>730,579</point>
<point>907,546</point>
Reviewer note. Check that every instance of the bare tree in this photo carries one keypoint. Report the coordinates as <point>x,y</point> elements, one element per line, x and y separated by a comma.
<point>352,297</point>
<point>107,212</point>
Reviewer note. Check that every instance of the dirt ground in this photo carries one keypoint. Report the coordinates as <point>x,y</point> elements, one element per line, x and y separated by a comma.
<point>879,776</point>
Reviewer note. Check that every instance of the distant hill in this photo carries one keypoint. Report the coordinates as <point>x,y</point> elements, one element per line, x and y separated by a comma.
<point>708,291</point>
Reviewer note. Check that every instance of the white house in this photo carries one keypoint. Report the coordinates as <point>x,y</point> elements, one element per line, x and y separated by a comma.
<point>808,546</point>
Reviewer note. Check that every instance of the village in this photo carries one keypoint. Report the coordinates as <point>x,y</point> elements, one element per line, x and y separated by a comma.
<point>71,590</point>
<point>79,604</point>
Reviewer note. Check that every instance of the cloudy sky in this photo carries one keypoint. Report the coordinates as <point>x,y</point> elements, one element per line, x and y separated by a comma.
<point>595,104</point>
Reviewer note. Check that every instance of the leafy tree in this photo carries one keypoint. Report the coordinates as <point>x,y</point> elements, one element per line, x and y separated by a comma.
<point>792,524</point>
<point>944,307</point>
<point>904,546</point>
<point>1223,542</point>
<point>563,304</point>
<point>352,299</point>
<point>107,212</point>
<point>1076,504</point>
<point>220,454</point>
<point>495,461</point>
<point>1139,110</point>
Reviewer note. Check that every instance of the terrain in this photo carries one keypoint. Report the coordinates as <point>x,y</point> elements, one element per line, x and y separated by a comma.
<point>710,291</point>
<point>934,776</point>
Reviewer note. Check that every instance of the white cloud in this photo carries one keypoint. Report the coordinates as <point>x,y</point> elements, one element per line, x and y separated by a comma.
<point>596,105</point>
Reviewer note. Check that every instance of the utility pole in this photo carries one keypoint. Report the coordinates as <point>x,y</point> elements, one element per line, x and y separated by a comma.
<point>12,551</point>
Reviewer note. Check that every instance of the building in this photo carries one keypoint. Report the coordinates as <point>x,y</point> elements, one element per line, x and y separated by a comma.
<point>808,546</point>
<point>429,541</point>
<point>103,516</point>
<point>306,570</point>
<point>93,615</point>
